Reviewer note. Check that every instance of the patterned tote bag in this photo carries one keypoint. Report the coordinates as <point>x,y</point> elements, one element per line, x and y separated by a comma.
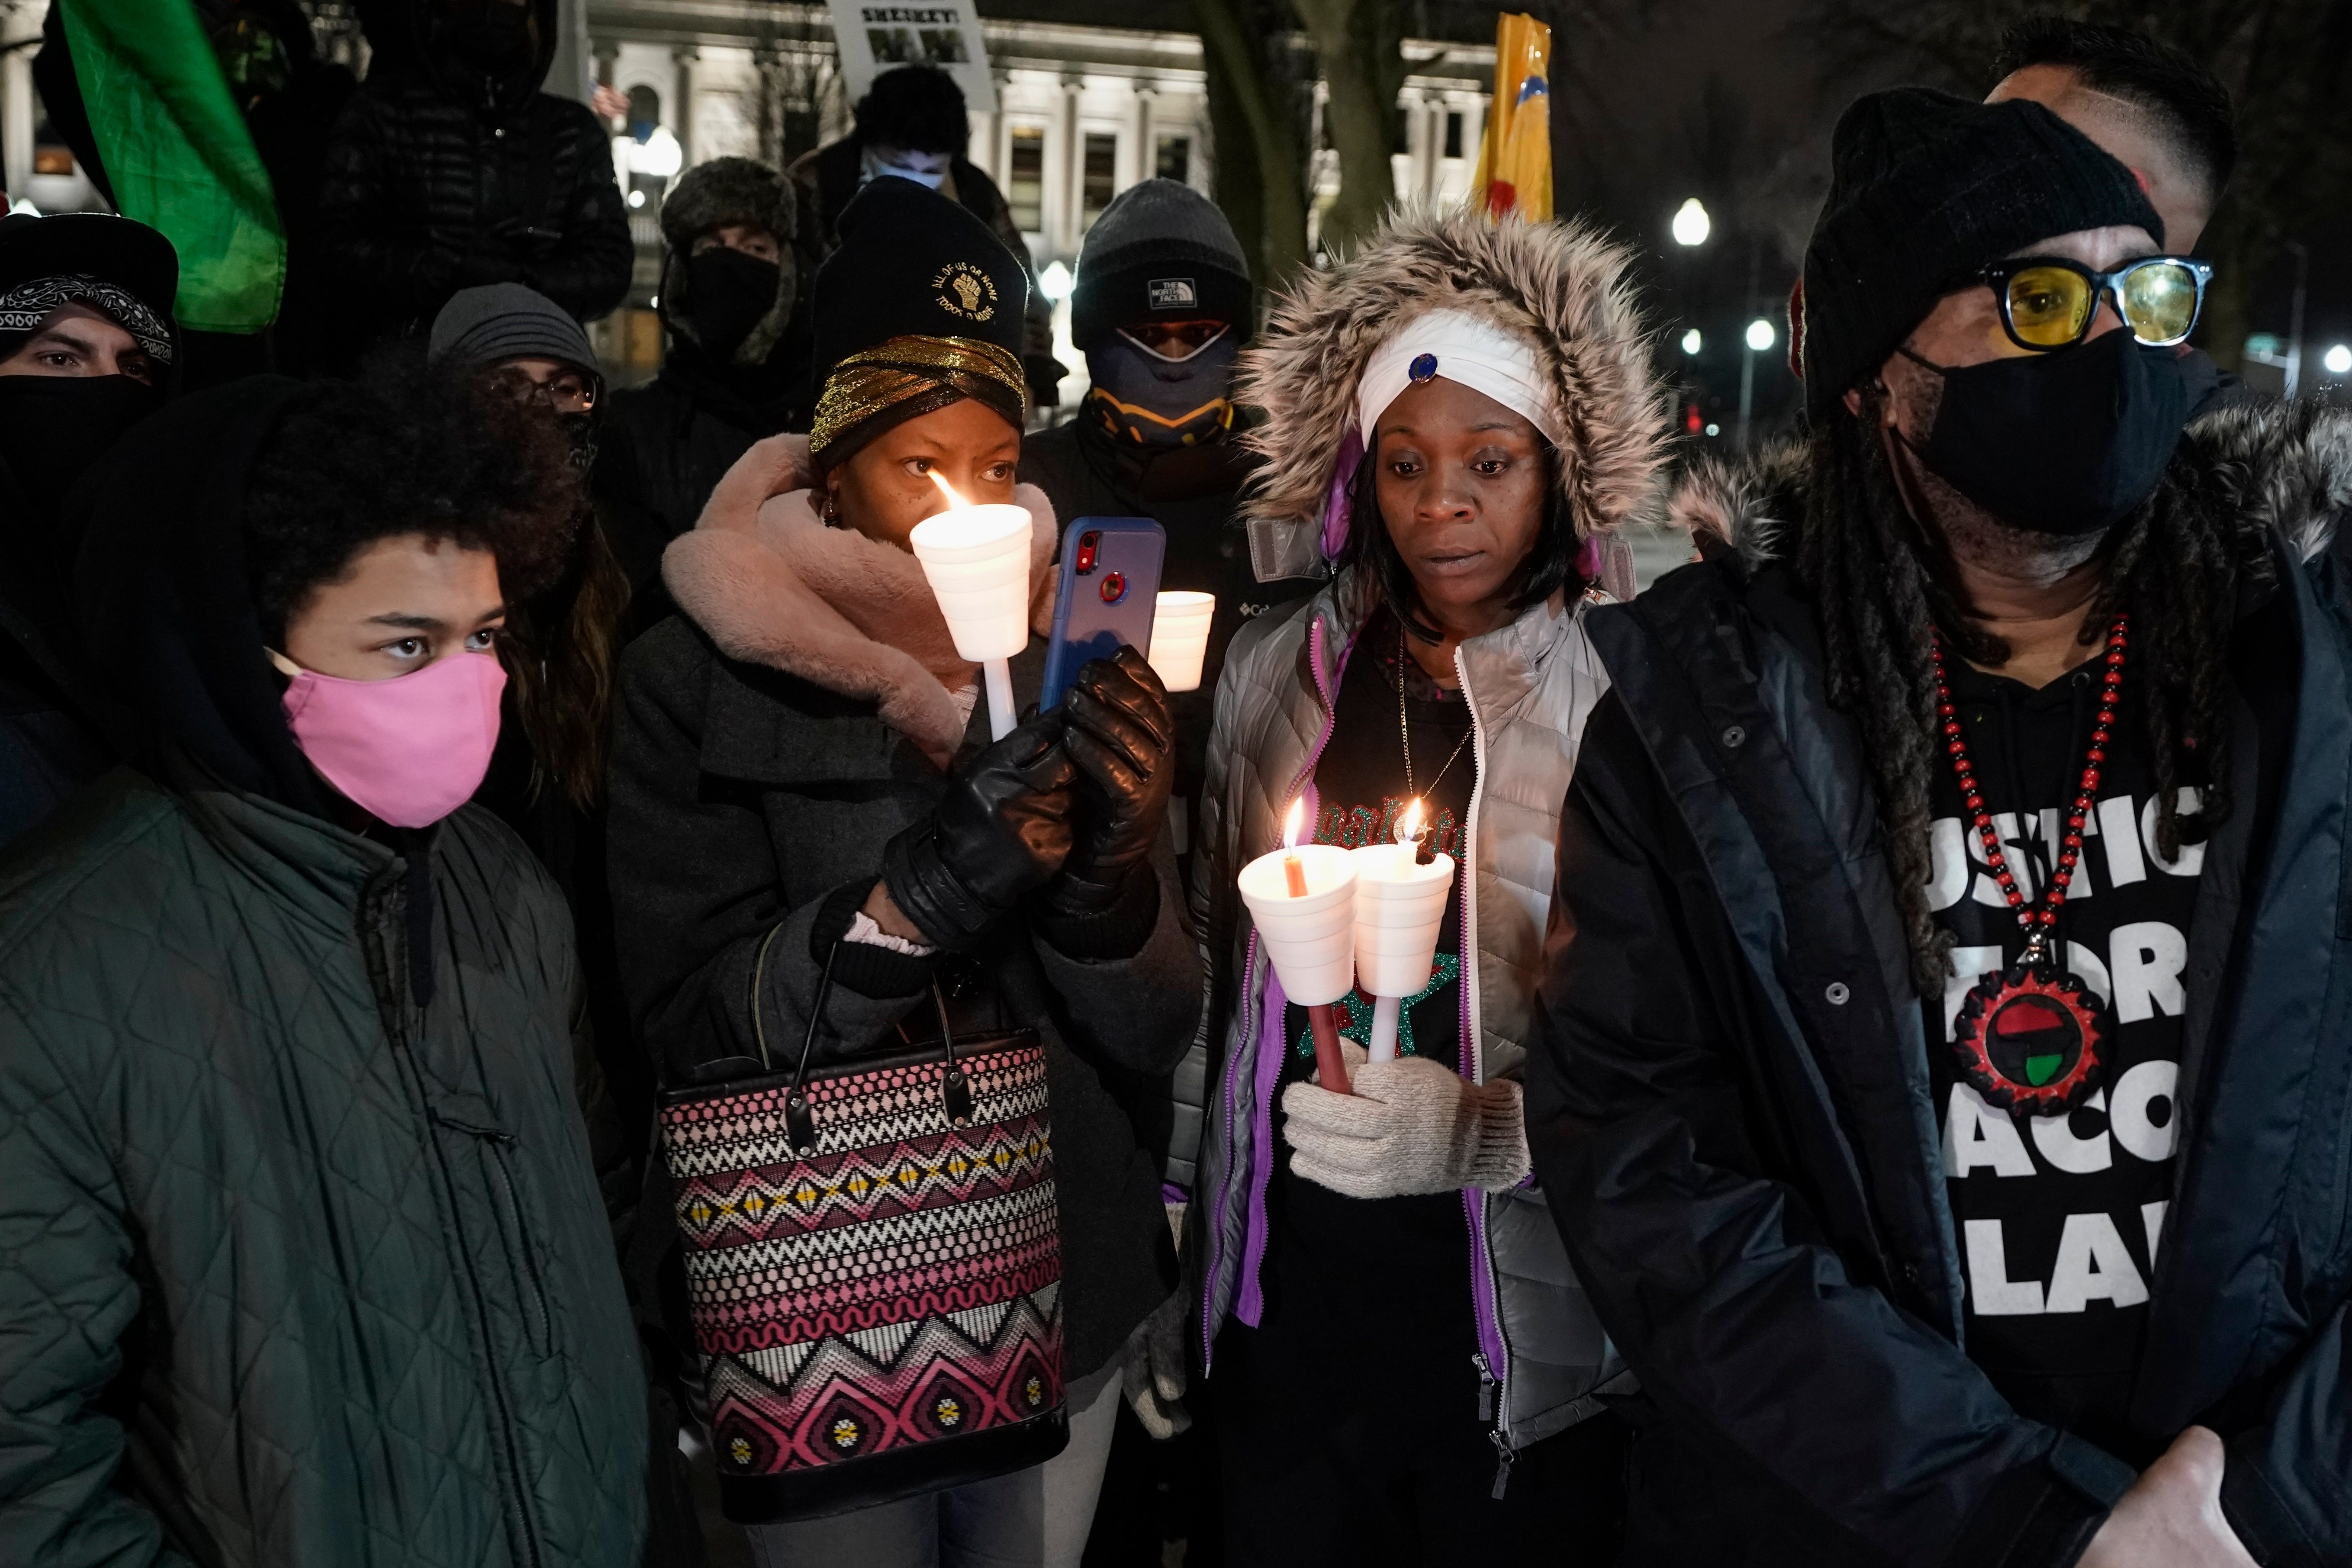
<point>873,1264</point>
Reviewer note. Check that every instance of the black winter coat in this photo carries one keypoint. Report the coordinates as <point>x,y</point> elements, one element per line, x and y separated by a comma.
<point>746,801</point>
<point>425,195</point>
<point>660,449</point>
<point>1194,493</point>
<point>1730,1099</point>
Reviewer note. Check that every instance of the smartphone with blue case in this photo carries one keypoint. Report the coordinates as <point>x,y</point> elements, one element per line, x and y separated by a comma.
<point>1108,593</point>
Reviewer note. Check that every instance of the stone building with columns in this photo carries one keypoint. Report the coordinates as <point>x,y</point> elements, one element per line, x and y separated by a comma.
<point>1092,96</point>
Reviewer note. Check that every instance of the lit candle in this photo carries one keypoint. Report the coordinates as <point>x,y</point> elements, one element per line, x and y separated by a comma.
<point>1302,898</point>
<point>976,559</point>
<point>1401,892</point>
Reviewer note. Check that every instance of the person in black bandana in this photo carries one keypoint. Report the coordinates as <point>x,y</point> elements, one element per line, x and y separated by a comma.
<point>1942,1028</point>
<point>88,349</point>
<point>562,646</point>
<point>735,366</point>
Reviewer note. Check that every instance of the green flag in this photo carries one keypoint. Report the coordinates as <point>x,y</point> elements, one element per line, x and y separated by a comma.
<point>179,156</point>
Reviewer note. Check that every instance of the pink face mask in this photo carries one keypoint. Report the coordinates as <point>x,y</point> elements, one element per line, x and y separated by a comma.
<point>408,751</point>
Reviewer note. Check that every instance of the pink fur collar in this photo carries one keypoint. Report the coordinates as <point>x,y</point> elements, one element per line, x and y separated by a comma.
<point>771,584</point>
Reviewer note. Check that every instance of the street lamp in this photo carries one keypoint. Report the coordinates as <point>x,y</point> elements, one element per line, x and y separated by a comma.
<point>1760,338</point>
<point>1692,341</point>
<point>1691,223</point>
<point>2337,360</point>
<point>1055,281</point>
<point>658,156</point>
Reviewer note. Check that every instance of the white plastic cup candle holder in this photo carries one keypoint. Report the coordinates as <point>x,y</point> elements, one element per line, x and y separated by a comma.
<point>1400,909</point>
<point>976,559</point>
<point>1310,940</point>
<point>1179,637</point>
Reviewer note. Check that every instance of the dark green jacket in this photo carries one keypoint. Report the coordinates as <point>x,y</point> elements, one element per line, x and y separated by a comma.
<point>294,1271</point>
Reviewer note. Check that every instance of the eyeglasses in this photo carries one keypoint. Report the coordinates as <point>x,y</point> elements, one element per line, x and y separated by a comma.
<point>1176,340</point>
<point>2049,302</point>
<point>567,392</point>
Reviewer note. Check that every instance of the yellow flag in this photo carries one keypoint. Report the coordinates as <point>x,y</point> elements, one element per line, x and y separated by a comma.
<point>1514,171</point>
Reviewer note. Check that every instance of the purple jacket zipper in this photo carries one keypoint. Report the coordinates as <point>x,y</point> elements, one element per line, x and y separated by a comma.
<point>1250,1305</point>
<point>1473,1201</point>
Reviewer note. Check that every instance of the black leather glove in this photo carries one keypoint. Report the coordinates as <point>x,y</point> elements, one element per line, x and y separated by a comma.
<point>1002,831</point>
<point>1122,738</point>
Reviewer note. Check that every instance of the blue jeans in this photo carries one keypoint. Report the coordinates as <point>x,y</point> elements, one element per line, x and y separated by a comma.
<point>1036,1518</point>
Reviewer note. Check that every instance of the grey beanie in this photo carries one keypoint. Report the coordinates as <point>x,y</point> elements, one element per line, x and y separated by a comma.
<point>1161,250</point>
<point>499,321</point>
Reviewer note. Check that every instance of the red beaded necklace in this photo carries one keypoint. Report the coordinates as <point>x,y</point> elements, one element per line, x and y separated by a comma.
<point>2028,1035</point>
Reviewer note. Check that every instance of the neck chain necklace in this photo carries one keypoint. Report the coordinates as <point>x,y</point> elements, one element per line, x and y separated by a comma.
<point>2030,1036</point>
<point>1405,734</point>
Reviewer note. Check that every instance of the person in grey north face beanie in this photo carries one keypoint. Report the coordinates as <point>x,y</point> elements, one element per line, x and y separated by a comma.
<point>1161,251</point>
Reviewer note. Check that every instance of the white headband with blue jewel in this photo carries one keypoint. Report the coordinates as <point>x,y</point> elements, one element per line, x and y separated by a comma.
<point>1465,349</point>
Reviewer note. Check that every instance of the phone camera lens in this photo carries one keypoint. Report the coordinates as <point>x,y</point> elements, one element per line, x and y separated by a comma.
<point>1087,543</point>
<point>1114,588</point>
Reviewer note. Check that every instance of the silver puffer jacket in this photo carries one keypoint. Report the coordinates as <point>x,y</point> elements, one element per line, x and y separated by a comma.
<point>1530,687</point>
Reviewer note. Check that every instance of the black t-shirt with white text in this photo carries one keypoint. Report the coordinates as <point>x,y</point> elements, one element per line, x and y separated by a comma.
<point>2059,1217</point>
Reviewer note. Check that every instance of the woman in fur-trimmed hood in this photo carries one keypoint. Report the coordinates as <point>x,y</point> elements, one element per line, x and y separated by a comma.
<point>803,778</point>
<point>1458,419</point>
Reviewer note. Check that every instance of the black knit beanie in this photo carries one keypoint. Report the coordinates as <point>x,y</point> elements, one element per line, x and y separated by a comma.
<point>914,264</point>
<point>1926,188</point>
<point>1160,251</point>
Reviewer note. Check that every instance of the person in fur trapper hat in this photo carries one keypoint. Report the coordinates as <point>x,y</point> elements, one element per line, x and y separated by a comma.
<point>1400,1359</point>
<point>802,778</point>
<point>735,366</point>
<point>1951,939</point>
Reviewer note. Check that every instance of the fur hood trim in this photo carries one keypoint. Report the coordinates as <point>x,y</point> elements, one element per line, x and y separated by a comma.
<point>2287,466</point>
<point>1561,284</point>
<point>724,191</point>
<point>771,584</point>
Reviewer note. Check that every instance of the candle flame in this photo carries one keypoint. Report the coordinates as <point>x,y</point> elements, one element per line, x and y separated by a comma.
<point>1408,828</point>
<point>955,502</point>
<point>1291,824</point>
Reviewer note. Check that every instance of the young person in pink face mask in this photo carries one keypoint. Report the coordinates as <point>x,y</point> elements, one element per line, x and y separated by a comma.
<point>302,1251</point>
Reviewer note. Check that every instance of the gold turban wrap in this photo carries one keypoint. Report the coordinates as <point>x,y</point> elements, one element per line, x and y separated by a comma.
<point>904,378</point>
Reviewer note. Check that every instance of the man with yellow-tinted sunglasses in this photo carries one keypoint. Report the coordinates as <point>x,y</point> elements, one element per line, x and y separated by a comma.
<point>1946,1084</point>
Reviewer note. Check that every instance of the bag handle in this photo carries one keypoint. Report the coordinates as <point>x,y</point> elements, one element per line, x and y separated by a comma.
<point>800,1116</point>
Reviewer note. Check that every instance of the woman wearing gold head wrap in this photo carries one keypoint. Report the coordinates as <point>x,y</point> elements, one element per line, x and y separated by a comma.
<point>798,769</point>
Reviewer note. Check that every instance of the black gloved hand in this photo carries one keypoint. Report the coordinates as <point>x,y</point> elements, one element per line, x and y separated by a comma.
<point>1001,832</point>
<point>1123,739</point>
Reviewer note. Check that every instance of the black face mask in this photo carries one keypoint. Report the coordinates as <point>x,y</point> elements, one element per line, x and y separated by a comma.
<point>2068,442</point>
<point>53,428</point>
<point>580,430</point>
<point>730,292</point>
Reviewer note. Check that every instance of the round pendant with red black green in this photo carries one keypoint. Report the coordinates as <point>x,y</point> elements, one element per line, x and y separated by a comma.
<point>2031,1038</point>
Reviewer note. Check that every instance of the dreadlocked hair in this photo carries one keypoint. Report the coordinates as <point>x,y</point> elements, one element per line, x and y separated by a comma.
<point>2174,566</point>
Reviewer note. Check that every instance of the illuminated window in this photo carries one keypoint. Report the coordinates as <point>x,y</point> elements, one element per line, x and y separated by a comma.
<point>1025,186</point>
<point>1098,180</point>
<point>1173,160</point>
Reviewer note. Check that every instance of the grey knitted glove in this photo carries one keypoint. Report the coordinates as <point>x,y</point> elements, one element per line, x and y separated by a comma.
<point>1411,1126</point>
<point>1156,1370</point>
